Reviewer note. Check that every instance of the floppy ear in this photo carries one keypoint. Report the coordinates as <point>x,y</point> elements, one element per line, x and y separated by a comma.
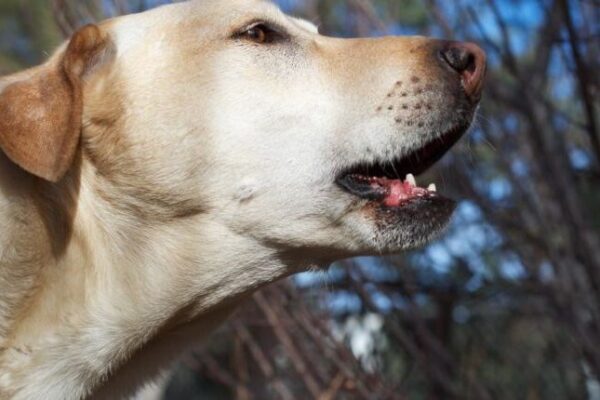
<point>40,109</point>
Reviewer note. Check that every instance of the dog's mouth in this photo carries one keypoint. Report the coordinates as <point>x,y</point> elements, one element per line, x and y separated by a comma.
<point>393,183</point>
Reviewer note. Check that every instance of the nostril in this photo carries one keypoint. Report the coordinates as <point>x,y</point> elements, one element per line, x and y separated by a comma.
<point>460,59</point>
<point>469,61</point>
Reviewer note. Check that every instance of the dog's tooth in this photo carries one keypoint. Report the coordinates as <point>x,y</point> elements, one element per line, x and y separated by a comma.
<point>410,178</point>
<point>432,188</point>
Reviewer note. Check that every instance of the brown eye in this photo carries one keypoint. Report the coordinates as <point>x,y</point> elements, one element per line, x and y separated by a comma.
<point>261,34</point>
<point>257,34</point>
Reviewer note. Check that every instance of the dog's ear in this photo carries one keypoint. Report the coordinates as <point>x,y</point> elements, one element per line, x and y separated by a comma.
<point>41,109</point>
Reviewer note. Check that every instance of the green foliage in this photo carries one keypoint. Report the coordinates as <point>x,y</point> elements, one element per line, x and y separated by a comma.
<point>28,33</point>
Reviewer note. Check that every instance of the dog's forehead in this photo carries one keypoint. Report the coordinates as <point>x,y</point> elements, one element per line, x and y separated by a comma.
<point>184,19</point>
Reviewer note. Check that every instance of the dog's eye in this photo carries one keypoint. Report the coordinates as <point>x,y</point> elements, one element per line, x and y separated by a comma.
<point>261,34</point>
<point>257,34</point>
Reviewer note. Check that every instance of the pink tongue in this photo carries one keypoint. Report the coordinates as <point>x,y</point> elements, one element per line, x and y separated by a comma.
<point>399,192</point>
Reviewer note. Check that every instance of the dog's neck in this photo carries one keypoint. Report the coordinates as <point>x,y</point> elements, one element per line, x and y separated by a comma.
<point>90,285</point>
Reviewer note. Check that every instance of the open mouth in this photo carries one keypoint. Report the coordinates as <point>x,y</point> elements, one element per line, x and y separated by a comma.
<point>393,183</point>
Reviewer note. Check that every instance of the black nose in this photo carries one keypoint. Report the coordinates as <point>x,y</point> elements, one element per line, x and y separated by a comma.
<point>469,60</point>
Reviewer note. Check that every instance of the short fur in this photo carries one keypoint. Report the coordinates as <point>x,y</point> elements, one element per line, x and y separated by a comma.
<point>159,168</point>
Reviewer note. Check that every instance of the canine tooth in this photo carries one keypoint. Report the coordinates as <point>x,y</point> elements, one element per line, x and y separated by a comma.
<point>410,178</point>
<point>432,188</point>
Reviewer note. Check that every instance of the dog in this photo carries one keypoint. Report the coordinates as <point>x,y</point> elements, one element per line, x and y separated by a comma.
<point>161,167</point>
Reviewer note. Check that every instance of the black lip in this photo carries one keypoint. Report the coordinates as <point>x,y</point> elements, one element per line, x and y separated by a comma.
<point>361,187</point>
<point>355,180</point>
<point>418,215</point>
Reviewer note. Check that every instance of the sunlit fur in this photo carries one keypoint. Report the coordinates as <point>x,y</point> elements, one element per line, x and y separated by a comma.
<point>205,170</point>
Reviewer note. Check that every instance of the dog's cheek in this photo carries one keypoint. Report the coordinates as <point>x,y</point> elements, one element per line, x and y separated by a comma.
<point>246,191</point>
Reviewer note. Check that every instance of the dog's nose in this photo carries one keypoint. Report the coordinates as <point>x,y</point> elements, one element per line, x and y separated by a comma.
<point>469,60</point>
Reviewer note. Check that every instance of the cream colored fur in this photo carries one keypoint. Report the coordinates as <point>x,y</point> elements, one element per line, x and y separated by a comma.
<point>205,170</point>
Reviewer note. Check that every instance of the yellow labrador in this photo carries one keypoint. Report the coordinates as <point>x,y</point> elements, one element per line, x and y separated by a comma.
<point>160,167</point>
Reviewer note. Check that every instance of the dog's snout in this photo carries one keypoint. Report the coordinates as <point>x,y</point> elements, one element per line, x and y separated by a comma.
<point>468,60</point>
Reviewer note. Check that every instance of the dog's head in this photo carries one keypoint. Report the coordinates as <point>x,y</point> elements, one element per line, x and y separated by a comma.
<point>235,111</point>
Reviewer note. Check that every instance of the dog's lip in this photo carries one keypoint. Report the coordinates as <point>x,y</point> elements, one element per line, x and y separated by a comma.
<point>382,182</point>
<point>389,192</point>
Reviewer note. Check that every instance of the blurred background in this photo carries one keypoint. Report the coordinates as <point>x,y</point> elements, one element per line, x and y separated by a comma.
<point>507,304</point>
